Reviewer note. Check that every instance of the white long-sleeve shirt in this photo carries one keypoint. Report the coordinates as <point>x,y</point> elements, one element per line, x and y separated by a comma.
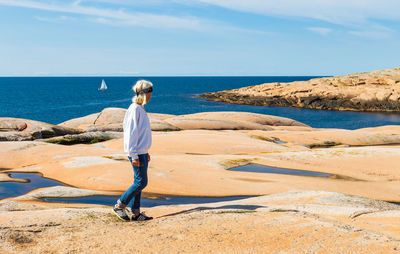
<point>137,131</point>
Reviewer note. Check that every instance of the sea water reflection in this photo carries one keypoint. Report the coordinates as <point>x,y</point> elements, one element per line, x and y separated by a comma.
<point>35,181</point>
<point>257,168</point>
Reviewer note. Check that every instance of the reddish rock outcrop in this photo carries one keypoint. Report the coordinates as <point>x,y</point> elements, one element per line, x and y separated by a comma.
<point>373,91</point>
<point>111,119</point>
<point>15,129</point>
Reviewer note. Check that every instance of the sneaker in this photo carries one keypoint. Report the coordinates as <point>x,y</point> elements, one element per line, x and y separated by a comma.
<point>121,213</point>
<point>141,217</point>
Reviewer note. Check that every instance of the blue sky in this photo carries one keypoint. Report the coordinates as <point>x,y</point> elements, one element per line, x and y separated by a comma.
<point>197,37</point>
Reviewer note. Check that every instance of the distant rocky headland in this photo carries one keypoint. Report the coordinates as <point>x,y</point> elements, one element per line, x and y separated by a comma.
<point>370,91</point>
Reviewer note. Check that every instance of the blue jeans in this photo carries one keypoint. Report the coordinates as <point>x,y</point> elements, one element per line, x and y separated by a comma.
<point>132,194</point>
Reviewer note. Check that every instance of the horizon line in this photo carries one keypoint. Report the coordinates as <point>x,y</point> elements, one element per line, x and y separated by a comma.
<point>173,76</point>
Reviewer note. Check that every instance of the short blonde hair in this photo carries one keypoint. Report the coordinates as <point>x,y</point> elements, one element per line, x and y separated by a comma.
<point>140,97</point>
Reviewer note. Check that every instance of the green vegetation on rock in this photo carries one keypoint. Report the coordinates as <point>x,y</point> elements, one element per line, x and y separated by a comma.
<point>73,141</point>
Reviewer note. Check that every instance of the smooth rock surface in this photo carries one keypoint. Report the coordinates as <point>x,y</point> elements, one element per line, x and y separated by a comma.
<point>195,163</point>
<point>61,192</point>
<point>331,137</point>
<point>15,129</point>
<point>303,214</point>
<point>294,222</point>
<point>230,121</point>
<point>111,119</point>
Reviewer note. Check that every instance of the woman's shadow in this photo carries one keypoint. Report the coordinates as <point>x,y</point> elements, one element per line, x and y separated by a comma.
<point>243,208</point>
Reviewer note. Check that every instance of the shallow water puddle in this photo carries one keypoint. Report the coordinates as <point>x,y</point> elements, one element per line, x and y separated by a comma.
<point>257,168</point>
<point>145,202</point>
<point>33,181</point>
<point>279,142</point>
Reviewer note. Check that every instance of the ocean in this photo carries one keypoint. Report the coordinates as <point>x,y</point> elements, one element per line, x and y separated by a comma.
<point>57,99</point>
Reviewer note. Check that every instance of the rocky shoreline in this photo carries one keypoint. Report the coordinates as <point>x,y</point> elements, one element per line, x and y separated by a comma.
<point>373,91</point>
<point>191,156</point>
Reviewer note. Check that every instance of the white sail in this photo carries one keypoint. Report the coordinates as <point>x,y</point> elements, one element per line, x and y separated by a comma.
<point>103,86</point>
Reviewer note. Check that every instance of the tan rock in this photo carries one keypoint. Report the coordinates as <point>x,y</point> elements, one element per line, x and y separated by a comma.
<point>62,192</point>
<point>159,116</point>
<point>158,124</point>
<point>213,124</point>
<point>328,138</point>
<point>195,162</point>
<point>387,129</point>
<point>230,121</point>
<point>81,123</point>
<point>294,222</point>
<point>15,129</point>
<point>111,119</point>
<point>4,177</point>
<point>374,91</point>
<point>245,117</point>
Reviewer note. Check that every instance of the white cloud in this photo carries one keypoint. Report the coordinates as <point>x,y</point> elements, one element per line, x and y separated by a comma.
<point>358,15</point>
<point>119,16</point>
<point>56,19</point>
<point>374,32</point>
<point>344,12</point>
<point>122,17</point>
<point>77,2</point>
<point>320,30</point>
<point>101,21</point>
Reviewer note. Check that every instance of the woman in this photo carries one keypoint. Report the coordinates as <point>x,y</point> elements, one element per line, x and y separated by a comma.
<point>137,142</point>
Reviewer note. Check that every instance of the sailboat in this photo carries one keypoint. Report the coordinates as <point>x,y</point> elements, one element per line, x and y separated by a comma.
<point>103,86</point>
